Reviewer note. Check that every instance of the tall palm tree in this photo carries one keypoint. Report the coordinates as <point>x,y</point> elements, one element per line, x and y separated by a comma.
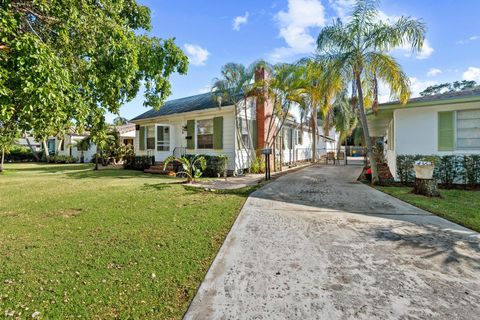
<point>359,50</point>
<point>315,94</point>
<point>234,86</point>
<point>343,118</point>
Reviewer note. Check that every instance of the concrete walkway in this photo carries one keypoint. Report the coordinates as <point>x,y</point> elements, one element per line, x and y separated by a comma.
<point>314,244</point>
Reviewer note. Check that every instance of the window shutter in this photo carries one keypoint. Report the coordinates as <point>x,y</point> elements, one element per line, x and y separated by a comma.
<point>218,133</point>
<point>190,134</point>
<point>142,138</point>
<point>446,131</point>
<point>253,126</point>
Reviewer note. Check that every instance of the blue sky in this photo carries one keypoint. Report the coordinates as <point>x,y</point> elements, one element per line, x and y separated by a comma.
<point>215,32</point>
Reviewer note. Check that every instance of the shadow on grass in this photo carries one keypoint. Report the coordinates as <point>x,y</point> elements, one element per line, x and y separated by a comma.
<point>48,168</point>
<point>243,192</point>
<point>161,185</point>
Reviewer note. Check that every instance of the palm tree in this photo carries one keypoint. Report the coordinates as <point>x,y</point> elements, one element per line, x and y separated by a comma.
<point>82,146</point>
<point>235,85</point>
<point>315,93</point>
<point>359,50</point>
<point>343,118</point>
<point>119,121</point>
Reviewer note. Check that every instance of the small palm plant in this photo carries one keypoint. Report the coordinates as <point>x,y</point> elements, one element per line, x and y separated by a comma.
<point>193,168</point>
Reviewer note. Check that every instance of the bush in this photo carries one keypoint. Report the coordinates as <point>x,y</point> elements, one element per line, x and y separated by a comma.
<point>19,154</point>
<point>449,169</point>
<point>216,165</point>
<point>258,165</point>
<point>63,159</point>
<point>138,162</point>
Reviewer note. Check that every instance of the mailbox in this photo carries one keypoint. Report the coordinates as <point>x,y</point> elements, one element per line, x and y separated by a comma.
<point>267,151</point>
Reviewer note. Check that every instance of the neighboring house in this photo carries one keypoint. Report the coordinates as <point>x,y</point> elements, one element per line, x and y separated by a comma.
<point>37,146</point>
<point>442,124</point>
<point>202,125</point>
<point>69,143</point>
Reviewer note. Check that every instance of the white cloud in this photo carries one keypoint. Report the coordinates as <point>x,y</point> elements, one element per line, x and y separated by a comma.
<point>342,8</point>
<point>197,55</point>
<point>426,51</point>
<point>434,72</point>
<point>295,26</point>
<point>238,21</point>
<point>472,38</point>
<point>472,73</point>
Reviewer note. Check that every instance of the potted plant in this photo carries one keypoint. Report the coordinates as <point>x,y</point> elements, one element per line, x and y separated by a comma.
<point>424,169</point>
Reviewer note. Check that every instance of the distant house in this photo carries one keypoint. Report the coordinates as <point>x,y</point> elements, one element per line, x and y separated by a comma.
<point>69,145</point>
<point>24,142</point>
<point>201,125</point>
<point>442,124</point>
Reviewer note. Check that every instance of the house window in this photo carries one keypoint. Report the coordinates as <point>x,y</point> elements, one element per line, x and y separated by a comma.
<point>468,129</point>
<point>51,146</point>
<point>150,136</point>
<point>163,138</point>
<point>299,137</point>
<point>205,134</point>
<point>244,134</point>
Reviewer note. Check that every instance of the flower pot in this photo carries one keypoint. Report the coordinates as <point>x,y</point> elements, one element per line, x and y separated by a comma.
<point>424,170</point>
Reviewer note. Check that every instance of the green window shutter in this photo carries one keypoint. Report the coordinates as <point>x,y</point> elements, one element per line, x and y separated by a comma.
<point>218,133</point>
<point>142,139</point>
<point>446,131</point>
<point>253,126</point>
<point>191,134</point>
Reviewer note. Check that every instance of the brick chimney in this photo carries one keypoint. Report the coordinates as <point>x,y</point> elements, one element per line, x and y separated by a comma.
<point>264,111</point>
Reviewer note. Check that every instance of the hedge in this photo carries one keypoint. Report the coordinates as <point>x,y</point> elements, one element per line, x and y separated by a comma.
<point>138,162</point>
<point>63,159</point>
<point>216,165</point>
<point>20,154</point>
<point>449,169</point>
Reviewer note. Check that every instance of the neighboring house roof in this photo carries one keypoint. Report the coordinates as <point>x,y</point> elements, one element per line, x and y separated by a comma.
<point>442,98</point>
<point>23,142</point>
<point>379,122</point>
<point>125,128</point>
<point>194,103</point>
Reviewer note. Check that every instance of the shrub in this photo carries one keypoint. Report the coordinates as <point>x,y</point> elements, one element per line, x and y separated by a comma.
<point>216,165</point>
<point>63,159</point>
<point>19,154</point>
<point>138,162</point>
<point>449,169</point>
<point>258,165</point>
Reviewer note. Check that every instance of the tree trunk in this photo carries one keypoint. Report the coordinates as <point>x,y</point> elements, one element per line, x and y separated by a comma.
<point>339,144</point>
<point>34,153</point>
<point>426,187</point>
<point>3,158</point>
<point>366,131</point>
<point>96,161</point>
<point>314,133</point>
<point>59,147</point>
<point>45,151</point>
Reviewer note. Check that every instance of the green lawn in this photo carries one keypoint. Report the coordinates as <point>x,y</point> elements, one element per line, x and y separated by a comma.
<point>106,244</point>
<point>460,206</point>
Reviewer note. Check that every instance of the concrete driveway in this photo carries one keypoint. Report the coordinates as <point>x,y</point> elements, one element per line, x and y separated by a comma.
<point>315,244</point>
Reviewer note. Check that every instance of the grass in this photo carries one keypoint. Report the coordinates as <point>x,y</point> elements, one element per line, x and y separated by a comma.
<point>460,206</point>
<point>77,243</point>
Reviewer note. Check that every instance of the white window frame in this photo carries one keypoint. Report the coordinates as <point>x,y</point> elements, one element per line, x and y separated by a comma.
<point>196,133</point>
<point>157,141</point>
<point>456,131</point>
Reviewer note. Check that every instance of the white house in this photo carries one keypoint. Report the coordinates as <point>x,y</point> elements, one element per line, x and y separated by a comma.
<point>202,125</point>
<point>68,145</point>
<point>442,124</point>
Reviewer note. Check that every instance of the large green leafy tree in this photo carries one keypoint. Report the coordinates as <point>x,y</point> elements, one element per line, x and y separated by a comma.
<point>74,60</point>
<point>359,51</point>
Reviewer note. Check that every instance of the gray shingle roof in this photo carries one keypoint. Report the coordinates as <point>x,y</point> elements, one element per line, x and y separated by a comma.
<point>442,96</point>
<point>182,105</point>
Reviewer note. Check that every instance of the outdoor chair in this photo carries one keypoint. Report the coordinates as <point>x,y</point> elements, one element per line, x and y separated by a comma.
<point>330,157</point>
<point>341,157</point>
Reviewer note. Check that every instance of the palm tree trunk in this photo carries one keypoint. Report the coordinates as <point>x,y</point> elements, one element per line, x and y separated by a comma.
<point>314,133</point>
<point>45,151</point>
<point>96,161</point>
<point>366,131</point>
<point>3,158</point>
